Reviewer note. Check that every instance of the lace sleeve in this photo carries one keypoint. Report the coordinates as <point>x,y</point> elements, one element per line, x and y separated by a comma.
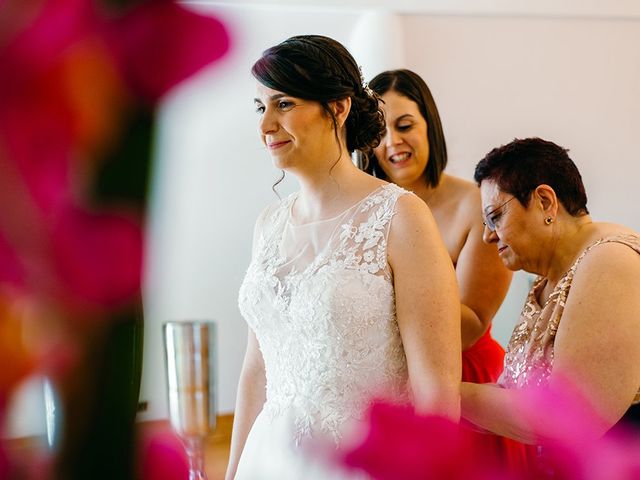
<point>259,228</point>
<point>364,236</point>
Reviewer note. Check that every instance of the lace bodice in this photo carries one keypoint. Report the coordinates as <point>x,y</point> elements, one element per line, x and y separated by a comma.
<point>320,300</point>
<point>529,357</point>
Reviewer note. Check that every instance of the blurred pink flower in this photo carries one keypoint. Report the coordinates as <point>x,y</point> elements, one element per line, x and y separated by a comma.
<point>75,75</point>
<point>5,467</point>
<point>56,25</point>
<point>159,44</point>
<point>572,446</point>
<point>97,257</point>
<point>36,123</point>
<point>16,357</point>
<point>402,445</point>
<point>11,271</point>
<point>45,174</point>
<point>60,98</point>
<point>163,456</point>
<point>70,72</point>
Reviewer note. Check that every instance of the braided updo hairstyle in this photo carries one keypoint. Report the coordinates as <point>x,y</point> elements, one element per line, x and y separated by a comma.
<point>318,68</point>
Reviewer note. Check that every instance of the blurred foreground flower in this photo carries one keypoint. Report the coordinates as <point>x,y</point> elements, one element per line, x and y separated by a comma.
<point>163,456</point>
<point>73,79</point>
<point>159,44</point>
<point>16,358</point>
<point>572,445</point>
<point>400,445</point>
<point>79,86</point>
<point>20,356</point>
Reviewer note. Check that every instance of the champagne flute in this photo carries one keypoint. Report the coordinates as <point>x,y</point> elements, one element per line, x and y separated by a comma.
<point>190,352</point>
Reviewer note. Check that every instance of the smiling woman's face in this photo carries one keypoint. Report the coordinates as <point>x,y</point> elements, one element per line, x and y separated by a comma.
<point>295,131</point>
<point>403,152</point>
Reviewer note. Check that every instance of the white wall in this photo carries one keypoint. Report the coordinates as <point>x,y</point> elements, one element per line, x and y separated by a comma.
<point>495,77</point>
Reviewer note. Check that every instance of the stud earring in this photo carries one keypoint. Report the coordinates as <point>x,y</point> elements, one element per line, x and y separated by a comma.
<point>548,221</point>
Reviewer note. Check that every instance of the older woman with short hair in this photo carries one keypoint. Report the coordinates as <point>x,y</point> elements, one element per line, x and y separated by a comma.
<point>581,319</point>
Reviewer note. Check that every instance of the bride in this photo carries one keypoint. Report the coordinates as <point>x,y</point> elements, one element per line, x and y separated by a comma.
<point>350,293</point>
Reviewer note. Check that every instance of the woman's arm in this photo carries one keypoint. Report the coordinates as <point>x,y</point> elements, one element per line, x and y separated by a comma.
<point>483,279</point>
<point>494,409</point>
<point>249,402</point>
<point>427,308</point>
<point>597,344</point>
<point>596,348</point>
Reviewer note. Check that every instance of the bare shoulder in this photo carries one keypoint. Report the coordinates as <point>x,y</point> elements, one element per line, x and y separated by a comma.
<point>461,185</point>
<point>468,195</point>
<point>608,267</point>
<point>410,209</point>
<point>413,227</point>
<point>610,256</point>
<point>462,196</point>
<point>605,289</point>
<point>415,243</point>
<point>600,317</point>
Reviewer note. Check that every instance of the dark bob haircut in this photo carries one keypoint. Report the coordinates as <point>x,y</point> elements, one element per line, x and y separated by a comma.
<point>318,68</point>
<point>520,166</point>
<point>412,86</point>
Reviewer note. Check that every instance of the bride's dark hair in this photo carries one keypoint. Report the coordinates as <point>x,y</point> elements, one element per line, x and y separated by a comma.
<point>314,67</point>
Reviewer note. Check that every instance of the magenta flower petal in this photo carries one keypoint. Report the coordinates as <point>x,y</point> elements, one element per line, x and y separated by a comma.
<point>163,458</point>
<point>560,414</point>
<point>159,44</point>
<point>11,270</point>
<point>98,257</point>
<point>38,139</point>
<point>402,445</point>
<point>36,123</point>
<point>572,445</point>
<point>16,355</point>
<point>5,467</point>
<point>57,25</point>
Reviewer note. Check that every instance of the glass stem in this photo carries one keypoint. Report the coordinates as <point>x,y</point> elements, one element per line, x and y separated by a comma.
<point>195,452</point>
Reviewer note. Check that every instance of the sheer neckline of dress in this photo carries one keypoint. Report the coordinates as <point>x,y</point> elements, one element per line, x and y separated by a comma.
<point>335,217</point>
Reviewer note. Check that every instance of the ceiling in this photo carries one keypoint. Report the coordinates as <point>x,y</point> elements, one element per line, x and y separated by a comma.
<point>622,9</point>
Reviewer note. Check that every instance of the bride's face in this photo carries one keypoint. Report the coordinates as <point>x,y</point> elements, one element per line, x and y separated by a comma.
<point>297,132</point>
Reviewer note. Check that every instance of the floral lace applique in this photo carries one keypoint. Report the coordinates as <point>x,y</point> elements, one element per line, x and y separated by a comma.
<point>328,331</point>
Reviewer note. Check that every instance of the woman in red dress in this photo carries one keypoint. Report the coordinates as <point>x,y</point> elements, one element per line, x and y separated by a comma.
<point>413,154</point>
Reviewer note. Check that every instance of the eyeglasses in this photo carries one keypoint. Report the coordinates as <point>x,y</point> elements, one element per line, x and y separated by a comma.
<point>491,220</point>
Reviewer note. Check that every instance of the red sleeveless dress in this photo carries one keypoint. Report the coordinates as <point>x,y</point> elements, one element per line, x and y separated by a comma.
<point>483,362</point>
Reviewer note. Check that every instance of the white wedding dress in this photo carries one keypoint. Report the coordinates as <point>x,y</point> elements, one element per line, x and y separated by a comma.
<point>320,300</point>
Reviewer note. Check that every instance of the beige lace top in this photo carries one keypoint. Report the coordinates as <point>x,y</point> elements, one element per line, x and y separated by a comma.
<point>529,357</point>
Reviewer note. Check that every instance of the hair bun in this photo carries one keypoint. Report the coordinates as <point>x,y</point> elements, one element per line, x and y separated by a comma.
<point>365,124</point>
